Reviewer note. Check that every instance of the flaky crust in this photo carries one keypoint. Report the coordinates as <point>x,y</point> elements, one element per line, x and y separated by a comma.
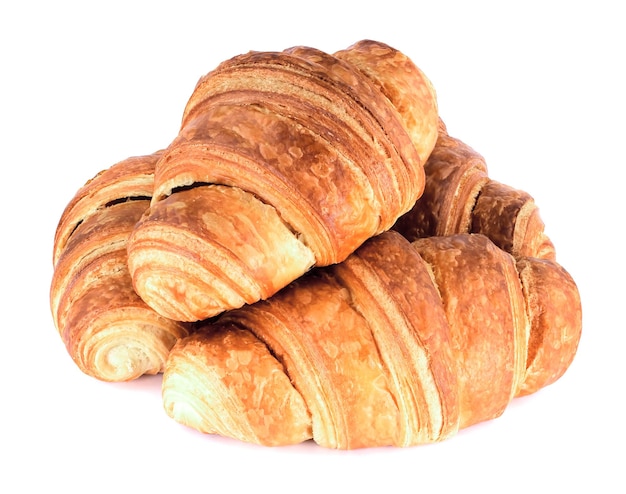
<point>312,135</point>
<point>132,178</point>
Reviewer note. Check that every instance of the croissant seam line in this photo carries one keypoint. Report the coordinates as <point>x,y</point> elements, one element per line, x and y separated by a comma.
<point>97,208</point>
<point>417,403</point>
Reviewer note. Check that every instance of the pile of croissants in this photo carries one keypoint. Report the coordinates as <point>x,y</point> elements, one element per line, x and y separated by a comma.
<point>314,257</point>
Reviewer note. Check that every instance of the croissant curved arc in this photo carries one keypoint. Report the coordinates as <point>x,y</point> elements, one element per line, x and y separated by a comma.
<point>354,355</point>
<point>330,142</point>
<point>109,332</point>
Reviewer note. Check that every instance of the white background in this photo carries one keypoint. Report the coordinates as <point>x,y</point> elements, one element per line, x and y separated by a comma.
<point>537,88</point>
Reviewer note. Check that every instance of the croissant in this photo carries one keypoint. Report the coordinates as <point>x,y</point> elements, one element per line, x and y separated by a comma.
<point>267,222</point>
<point>284,161</point>
<point>459,197</point>
<point>401,344</point>
<point>110,333</point>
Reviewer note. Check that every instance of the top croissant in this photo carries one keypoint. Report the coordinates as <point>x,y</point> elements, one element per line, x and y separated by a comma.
<point>284,161</point>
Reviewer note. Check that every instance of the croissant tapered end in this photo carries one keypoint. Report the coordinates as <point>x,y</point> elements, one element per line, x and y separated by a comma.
<point>110,333</point>
<point>405,85</point>
<point>226,381</point>
<point>334,144</point>
<point>459,197</point>
<point>178,266</point>
<point>555,310</point>
<point>511,219</point>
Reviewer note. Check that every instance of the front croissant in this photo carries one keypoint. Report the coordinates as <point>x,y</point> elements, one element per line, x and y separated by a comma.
<point>401,344</point>
<point>284,161</point>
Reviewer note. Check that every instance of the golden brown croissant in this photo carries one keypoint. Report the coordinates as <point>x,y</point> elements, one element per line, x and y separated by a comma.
<point>284,161</point>
<point>459,197</point>
<point>401,344</point>
<point>108,330</point>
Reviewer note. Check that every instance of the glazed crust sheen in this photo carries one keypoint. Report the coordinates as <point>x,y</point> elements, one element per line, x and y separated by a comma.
<point>332,143</point>
<point>401,344</point>
<point>109,332</point>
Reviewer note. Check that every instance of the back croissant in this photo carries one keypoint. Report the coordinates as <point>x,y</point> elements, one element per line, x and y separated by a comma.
<point>284,161</point>
<point>460,197</point>
<point>109,332</point>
